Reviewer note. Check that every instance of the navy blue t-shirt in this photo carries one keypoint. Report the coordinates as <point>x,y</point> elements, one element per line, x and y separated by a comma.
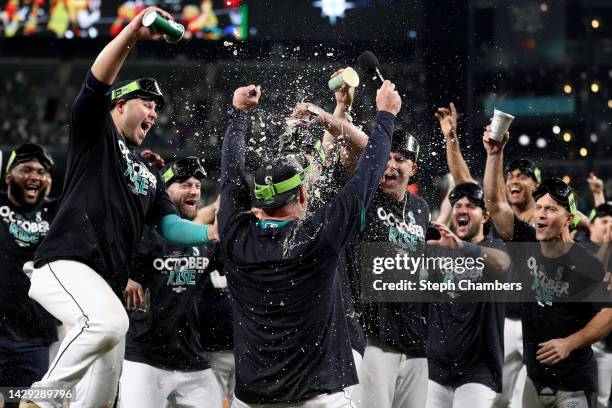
<point>109,192</point>
<point>290,333</point>
<point>400,325</point>
<point>21,232</point>
<point>466,339</point>
<point>168,334</point>
<point>545,318</point>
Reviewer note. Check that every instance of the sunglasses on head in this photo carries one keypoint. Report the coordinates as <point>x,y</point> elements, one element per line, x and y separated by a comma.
<point>472,191</point>
<point>183,169</point>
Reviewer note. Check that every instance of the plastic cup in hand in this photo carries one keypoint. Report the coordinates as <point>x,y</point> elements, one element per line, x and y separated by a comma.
<point>500,124</point>
<point>173,30</point>
<point>348,76</point>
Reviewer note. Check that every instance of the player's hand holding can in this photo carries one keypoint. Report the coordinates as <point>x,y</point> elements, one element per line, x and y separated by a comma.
<point>149,33</point>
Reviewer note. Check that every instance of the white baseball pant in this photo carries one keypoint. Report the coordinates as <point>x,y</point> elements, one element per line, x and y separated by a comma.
<point>335,400</point>
<point>224,367</point>
<point>470,395</point>
<point>92,352</point>
<point>143,385</point>
<point>556,399</point>
<point>389,379</point>
<point>514,371</point>
<point>604,372</point>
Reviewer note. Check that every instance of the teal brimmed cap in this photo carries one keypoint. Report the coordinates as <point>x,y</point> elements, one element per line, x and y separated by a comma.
<point>30,152</point>
<point>277,182</point>
<point>406,144</point>
<point>183,169</point>
<point>143,88</point>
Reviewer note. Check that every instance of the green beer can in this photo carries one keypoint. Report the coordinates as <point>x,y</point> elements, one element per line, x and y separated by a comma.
<point>173,30</point>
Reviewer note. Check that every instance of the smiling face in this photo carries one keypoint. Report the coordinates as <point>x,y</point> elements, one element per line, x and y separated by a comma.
<point>397,174</point>
<point>134,118</point>
<point>468,219</point>
<point>551,219</point>
<point>186,197</point>
<point>519,187</point>
<point>28,183</point>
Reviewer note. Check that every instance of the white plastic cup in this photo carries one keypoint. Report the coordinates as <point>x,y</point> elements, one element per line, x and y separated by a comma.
<point>500,124</point>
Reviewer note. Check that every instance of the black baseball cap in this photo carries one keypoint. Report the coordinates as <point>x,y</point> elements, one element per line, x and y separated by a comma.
<point>527,167</point>
<point>182,169</point>
<point>143,88</point>
<point>471,191</point>
<point>602,210</point>
<point>406,144</point>
<point>559,191</point>
<point>277,182</point>
<point>30,152</point>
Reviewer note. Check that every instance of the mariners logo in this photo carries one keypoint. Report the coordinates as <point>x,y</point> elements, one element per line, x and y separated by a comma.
<point>547,287</point>
<point>182,271</point>
<point>401,233</point>
<point>23,231</point>
<point>139,176</point>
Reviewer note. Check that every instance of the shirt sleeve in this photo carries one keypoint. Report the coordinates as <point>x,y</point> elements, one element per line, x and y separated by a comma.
<point>235,197</point>
<point>344,217</point>
<point>89,110</point>
<point>523,232</point>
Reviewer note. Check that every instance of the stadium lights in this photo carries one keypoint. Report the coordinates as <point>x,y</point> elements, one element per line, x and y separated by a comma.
<point>541,143</point>
<point>567,179</point>
<point>594,87</point>
<point>595,23</point>
<point>524,140</point>
<point>567,88</point>
<point>583,152</point>
<point>567,137</point>
<point>556,129</point>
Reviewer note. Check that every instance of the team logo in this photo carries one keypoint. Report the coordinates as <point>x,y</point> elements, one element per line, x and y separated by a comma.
<point>404,234</point>
<point>139,176</point>
<point>24,232</point>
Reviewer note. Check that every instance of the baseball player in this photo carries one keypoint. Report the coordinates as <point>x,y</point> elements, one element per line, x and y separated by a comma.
<point>522,178</point>
<point>110,191</point>
<point>290,333</point>
<point>393,372</point>
<point>465,340</point>
<point>164,362</point>
<point>26,329</point>
<point>557,336</point>
<point>601,231</point>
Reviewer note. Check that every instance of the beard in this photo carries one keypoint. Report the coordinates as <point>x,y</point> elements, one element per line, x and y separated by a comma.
<point>471,232</point>
<point>187,214</point>
<point>18,193</point>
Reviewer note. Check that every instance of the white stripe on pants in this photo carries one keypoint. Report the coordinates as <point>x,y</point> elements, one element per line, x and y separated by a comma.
<point>390,379</point>
<point>93,349</point>
<point>470,395</point>
<point>143,385</point>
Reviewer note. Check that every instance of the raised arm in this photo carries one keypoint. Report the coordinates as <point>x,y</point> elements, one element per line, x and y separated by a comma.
<point>596,187</point>
<point>234,189</point>
<point>344,135</point>
<point>447,118</point>
<point>111,59</point>
<point>373,160</point>
<point>495,188</point>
